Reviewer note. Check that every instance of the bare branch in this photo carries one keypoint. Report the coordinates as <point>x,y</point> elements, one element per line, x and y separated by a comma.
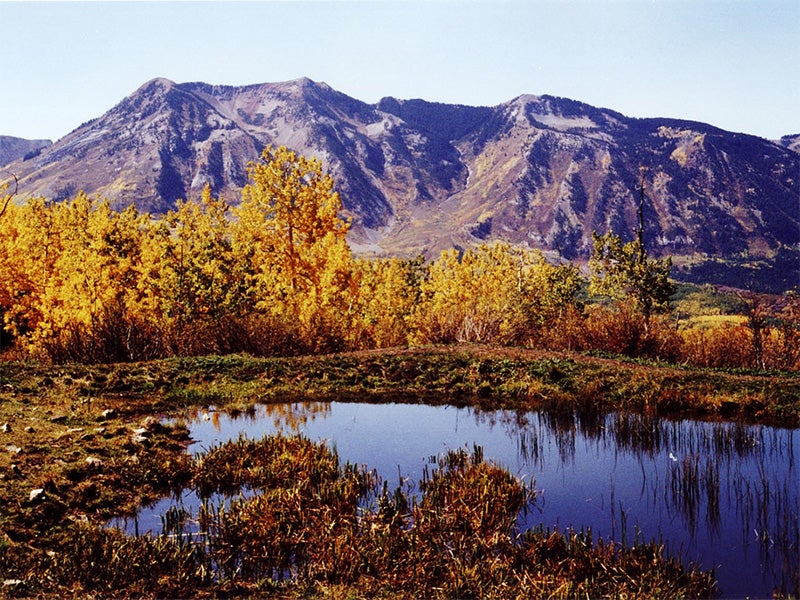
<point>14,193</point>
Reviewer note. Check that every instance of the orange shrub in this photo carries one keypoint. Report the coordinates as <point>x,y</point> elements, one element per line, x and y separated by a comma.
<point>721,346</point>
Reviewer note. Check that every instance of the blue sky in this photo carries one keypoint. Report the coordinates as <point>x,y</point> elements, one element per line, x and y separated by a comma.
<point>731,63</point>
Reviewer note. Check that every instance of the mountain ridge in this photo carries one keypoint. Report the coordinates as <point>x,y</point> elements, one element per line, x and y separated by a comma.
<point>13,148</point>
<point>418,176</point>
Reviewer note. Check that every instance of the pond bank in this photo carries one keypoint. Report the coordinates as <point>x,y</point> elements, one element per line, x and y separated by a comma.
<point>489,377</point>
<point>493,378</point>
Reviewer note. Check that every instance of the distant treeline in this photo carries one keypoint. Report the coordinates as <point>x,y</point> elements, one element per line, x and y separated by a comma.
<point>275,276</point>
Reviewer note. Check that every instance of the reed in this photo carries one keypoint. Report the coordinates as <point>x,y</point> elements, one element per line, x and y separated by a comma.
<point>314,527</point>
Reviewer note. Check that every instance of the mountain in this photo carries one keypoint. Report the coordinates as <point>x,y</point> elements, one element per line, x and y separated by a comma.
<point>418,177</point>
<point>12,148</point>
<point>792,142</point>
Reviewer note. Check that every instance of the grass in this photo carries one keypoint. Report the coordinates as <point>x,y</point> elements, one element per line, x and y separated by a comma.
<point>496,378</point>
<point>305,532</point>
<point>91,438</point>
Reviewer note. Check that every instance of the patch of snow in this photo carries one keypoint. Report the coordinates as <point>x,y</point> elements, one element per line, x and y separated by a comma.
<point>663,240</point>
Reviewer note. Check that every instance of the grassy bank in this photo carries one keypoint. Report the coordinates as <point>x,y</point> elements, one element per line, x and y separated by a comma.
<point>483,376</point>
<point>80,444</point>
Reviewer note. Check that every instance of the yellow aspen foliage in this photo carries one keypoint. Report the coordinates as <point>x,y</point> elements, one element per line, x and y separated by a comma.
<point>387,294</point>
<point>29,247</point>
<point>292,241</point>
<point>69,270</point>
<point>192,280</point>
<point>466,298</point>
<point>493,293</point>
<point>96,280</point>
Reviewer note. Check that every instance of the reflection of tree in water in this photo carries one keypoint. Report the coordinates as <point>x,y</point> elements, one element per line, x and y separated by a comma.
<point>293,417</point>
<point>285,416</point>
<point>723,468</point>
<point>531,430</point>
<point>524,427</point>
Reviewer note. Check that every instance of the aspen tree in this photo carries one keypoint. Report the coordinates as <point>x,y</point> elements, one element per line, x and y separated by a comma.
<point>493,293</point>
<point>623,272</point>
<point>388,292</point>
<point>291,238</point>
<point>194,280</point>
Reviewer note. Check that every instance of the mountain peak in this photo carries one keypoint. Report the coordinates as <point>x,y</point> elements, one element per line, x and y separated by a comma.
<point>156,83</point>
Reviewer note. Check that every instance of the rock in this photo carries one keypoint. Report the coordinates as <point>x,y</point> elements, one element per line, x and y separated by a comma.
<point>108,413</point>
<point>74,430</point>
<point>29,429</point>
<point>37,495</point>
<point>5,428</point>
<point>13,449</point>
<point>15,469</point>
<point>140,435</point>
<point>94,462</point>
<point>12,583</point>
<point>58,418</point>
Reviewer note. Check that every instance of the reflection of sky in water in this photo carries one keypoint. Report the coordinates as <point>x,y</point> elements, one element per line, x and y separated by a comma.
<point>726,496</point>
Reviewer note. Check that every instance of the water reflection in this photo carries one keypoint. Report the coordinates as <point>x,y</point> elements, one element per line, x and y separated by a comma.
<point>724,495</point>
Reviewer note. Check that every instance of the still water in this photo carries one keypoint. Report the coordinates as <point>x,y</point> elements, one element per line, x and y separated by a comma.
<point>723,495</point>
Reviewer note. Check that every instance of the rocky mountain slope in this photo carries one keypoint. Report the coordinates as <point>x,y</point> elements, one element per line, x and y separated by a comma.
<point>791,141</point>
<point>417,177</point>
<point>12,148</point>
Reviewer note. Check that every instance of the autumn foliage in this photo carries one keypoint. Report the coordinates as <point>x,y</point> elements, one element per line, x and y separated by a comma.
<point>275,275</point>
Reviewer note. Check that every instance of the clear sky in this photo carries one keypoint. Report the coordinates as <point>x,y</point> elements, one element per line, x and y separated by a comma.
<point>732,63</point>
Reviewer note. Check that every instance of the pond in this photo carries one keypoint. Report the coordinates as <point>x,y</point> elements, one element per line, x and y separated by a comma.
<point>723,495</point>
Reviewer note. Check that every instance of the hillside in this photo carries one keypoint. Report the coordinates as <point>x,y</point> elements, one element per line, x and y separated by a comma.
<point>792,142</point>
<point>13,148</point>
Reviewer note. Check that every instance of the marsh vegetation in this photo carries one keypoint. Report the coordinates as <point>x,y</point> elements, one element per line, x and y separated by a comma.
<point>720,495</point>
<point>95,440</point>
